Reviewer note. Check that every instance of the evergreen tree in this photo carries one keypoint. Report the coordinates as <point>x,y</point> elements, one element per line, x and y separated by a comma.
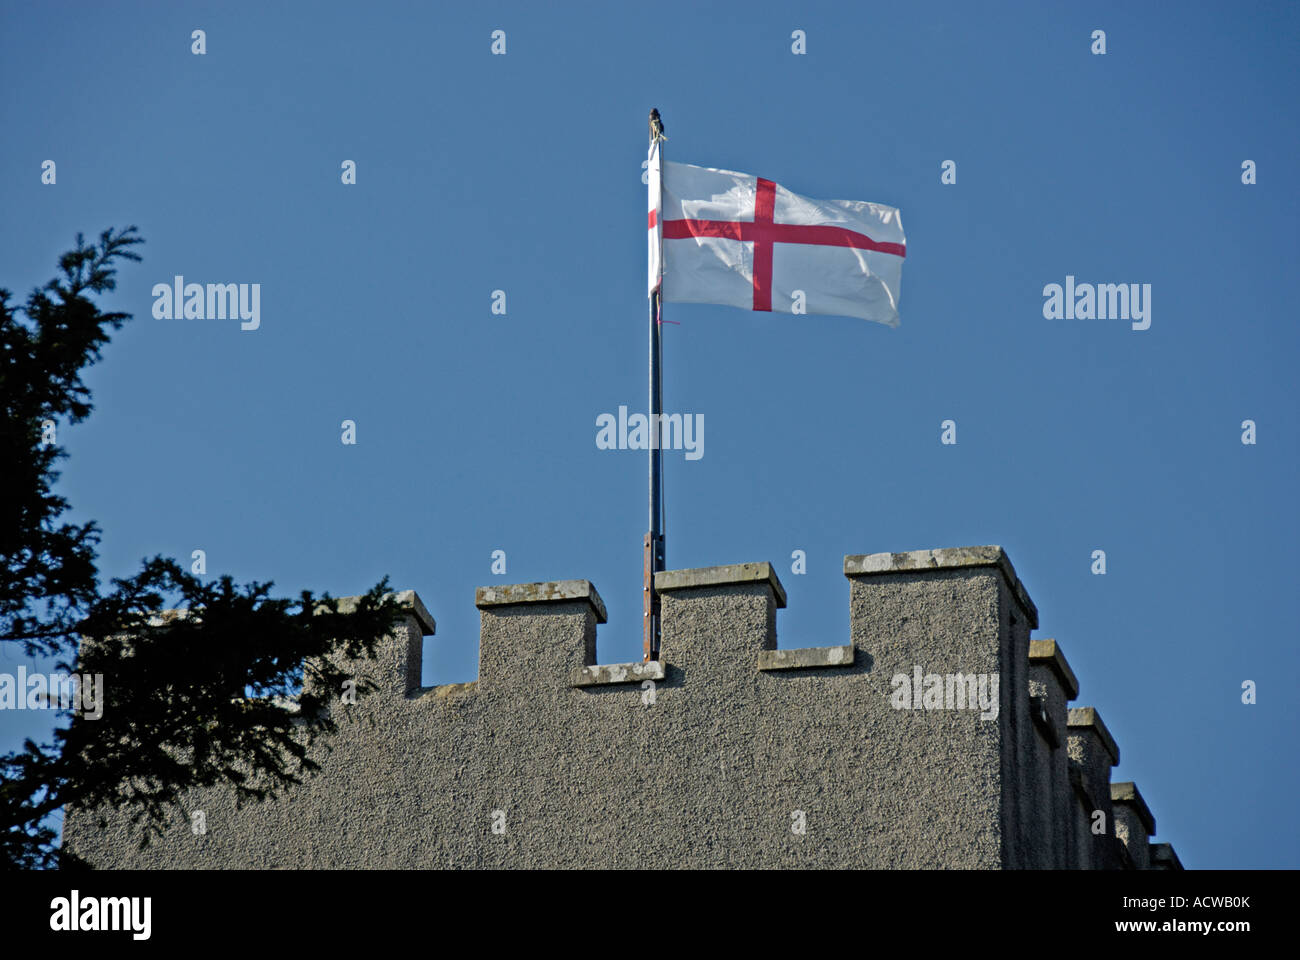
<point>195,698</point>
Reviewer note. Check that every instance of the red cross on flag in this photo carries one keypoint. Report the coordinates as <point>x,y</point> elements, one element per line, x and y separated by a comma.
<point>717,236</point>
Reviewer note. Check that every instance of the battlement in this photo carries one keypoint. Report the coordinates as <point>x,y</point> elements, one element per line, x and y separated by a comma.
<point>937,736</point>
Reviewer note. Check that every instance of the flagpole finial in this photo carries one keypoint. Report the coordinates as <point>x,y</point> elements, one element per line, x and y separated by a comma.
<point>656,126</point>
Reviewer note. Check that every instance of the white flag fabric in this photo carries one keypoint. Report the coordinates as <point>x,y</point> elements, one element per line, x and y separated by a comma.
<point>656,248</point>
<point>736,239</point>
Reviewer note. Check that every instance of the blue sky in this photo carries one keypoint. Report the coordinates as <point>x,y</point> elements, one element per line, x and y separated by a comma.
<point>522,172</point>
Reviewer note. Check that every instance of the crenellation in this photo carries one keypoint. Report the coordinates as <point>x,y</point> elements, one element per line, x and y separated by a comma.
<point>806,658</point>
<point>1134,824</point>
<point>615,673</point>
<point>669,580</point>
<point>398,661</point>
<point>1092,752</point>
<point>536,633</point>
<point>1163,857</point>
<point>529,593</point>
<point>945,558</point>
<point>716,619</point>
<point>937,736</point>
<point>447,689</point>
<point>1052,685</point>
<point>921,617</point>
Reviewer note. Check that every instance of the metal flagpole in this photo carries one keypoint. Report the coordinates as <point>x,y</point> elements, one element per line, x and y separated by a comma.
<point>653,545</point>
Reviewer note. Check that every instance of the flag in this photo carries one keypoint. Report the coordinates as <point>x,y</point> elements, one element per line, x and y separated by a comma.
<point>656,237</point>
<point>717,236</point>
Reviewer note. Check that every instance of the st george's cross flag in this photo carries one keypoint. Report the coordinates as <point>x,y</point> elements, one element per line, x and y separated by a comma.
<point>717,236</point>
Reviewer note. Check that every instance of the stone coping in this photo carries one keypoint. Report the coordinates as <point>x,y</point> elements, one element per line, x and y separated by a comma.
<point>805,658</point>
<point>943,558</point>
<point>405,598</point>
<point>408,599</point>
<point>555,591</point>
<point>1126,792</point>
<point>1163,856</point>
<point>669,580</point>
<point>1048,653</point>
<point>1087,717</point>
<point>445,690</point>
<point>611,673</point>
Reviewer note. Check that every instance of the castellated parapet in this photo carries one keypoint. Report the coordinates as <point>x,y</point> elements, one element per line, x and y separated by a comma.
<point>938,736</point>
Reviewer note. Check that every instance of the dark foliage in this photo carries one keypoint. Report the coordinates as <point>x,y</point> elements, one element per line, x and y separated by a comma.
<point>205,694</point>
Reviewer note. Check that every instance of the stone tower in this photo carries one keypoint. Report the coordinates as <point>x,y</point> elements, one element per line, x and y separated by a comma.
<point>938,736</point>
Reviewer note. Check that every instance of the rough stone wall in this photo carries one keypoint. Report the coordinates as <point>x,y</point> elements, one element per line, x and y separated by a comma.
<point>1052,685</point>
<point>715,756</point>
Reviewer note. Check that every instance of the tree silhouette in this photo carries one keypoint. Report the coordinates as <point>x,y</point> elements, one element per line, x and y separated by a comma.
<point>205,694</point>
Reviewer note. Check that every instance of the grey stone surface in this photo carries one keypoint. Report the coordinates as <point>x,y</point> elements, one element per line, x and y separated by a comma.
<point>1134,824</point>
<point>720,768</point>
<point>1088,718</point>
<point>1049,654</point>
<point>1127,793</point>
<point>1163,857</point>
<point>617,673</point>
<point>408,599</point>
<point>1052,685</point>
<point>722,576</point>
<point>1092,753</point>
<point>945,558</point>
<point>805,658</point>
<point>515,593</point>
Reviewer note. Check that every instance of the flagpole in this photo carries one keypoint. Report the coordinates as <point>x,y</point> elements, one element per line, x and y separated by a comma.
<point>653,545</point>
